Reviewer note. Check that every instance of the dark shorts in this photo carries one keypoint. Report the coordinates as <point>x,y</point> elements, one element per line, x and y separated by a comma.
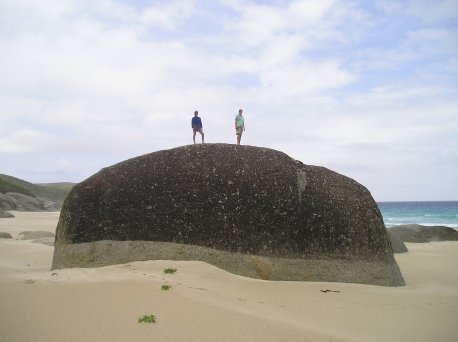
<point>239,130</point>
<point>197,128</point>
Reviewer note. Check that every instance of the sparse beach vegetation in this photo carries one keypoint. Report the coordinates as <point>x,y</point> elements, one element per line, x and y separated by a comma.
<point>147,319</point>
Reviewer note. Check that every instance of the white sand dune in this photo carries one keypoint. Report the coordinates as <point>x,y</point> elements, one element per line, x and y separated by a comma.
<point>209,304</point>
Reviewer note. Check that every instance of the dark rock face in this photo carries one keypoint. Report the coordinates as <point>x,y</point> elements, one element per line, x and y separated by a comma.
<point>227,204</point>
<point>418,233</point>
<point>396,243</point>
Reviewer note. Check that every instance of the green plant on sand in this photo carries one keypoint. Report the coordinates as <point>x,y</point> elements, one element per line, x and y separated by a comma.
<point>166,287</point>
<point>170,270</point>
<point>147,319</point>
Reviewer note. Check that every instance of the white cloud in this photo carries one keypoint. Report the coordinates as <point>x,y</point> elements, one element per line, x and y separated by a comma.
<point>429,11</point>
<point>308,12</point>
<point>433,10</point>
<point>167,15</point>
<point>302,79</point>
<point>87,84</point>
<point>434,41</point>
<point>25,140</point>
<point>260,22</point>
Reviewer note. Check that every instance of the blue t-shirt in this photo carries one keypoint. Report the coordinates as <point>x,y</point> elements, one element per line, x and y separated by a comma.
<point>196,122</point>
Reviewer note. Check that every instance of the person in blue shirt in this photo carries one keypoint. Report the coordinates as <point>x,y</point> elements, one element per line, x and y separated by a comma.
<point>196,124</point>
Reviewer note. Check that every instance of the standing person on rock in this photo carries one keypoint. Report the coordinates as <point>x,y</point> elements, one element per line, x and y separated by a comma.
<point>239,126</point>
<point>196,124</point>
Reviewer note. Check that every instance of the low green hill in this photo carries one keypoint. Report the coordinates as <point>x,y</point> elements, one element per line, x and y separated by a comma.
<point>7,186</point>
<point>56,192</point>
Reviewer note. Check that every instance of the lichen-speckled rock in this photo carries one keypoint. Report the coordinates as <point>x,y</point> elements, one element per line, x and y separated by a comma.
<point>418,233</point>
<point>249,210</point>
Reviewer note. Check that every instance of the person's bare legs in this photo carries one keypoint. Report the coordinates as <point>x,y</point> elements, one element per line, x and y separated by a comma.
<point>239,137</point>
<point>202,134</point>
<point>194,136</point>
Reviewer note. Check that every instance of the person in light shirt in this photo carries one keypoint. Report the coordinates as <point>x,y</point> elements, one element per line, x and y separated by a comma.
<point>239,126</point>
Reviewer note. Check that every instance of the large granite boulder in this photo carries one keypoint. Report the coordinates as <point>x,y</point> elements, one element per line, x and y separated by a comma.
<point>418,233</point>
<point>249,210</point>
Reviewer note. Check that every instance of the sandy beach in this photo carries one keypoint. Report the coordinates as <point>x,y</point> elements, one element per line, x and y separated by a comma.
<point>209,304</point>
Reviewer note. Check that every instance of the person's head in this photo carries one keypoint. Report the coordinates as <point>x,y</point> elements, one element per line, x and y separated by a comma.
<point>240,112</point>
<point>196,113</point>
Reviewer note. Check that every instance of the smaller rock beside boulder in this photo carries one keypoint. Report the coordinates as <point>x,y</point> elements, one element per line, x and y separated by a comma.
<point>49,205</point>
<point>48,241</point>
<point>4,235</point>
<point>420,234</point>
<point>7,202</point>
<point>21,202</point>
<point>5,214</point>
<point>396,243</point>
<point>25,202</point>
<point>32,235</point>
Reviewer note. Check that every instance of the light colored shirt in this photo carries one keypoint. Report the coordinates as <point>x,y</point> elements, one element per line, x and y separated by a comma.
<point>239,121</point>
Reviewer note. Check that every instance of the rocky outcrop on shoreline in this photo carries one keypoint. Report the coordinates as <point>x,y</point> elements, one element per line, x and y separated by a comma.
<point>35,234</point>
<point>249,210</point>
<point>5,214</point>
<point>21,202</point>
<point>20,195</point>
<point>418,233</point>
<point>4,235</point>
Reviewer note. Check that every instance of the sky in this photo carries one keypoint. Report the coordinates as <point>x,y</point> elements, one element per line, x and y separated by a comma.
<point>368,89</point>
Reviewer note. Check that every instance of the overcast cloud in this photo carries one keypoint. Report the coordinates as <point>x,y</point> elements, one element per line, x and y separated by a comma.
<point>366,88</point>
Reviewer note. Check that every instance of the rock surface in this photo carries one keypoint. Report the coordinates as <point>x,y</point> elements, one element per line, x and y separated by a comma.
<point>48,241</point>
<point>396,243</point>
<point>37,234</point>
<point>5,214</point>
<point>418,233</point>
<point>21,202</point>
<point>4,235</point>
<point>249,210</point>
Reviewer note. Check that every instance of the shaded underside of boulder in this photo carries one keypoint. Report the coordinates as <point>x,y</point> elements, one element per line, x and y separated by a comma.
<point>242,208</point>
<point>418,233</point>
<point>103,253</point>
<point>396,243</point>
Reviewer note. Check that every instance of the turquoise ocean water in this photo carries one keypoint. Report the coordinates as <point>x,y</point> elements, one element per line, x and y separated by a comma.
<point>425,213</point>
